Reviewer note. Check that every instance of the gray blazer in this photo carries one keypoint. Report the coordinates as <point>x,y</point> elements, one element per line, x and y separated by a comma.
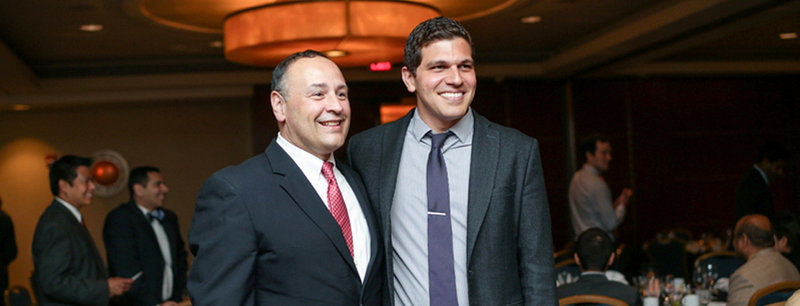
<point>509,244</point>
<point>68,267</point>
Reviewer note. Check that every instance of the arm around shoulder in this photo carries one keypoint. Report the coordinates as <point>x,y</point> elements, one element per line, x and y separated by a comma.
<point>223,240</point>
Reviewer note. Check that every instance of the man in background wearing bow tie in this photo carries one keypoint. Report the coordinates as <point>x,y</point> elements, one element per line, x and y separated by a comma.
<point>141,236</point>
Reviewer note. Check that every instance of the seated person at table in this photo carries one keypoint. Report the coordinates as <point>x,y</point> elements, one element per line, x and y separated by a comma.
<point>786,233</point>
<point>594,252</point>
<point>753,242</point>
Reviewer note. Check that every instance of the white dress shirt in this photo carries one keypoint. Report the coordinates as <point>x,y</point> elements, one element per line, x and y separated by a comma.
<point>71,209</point>
<point>311,166</point>
<point>163,244</point>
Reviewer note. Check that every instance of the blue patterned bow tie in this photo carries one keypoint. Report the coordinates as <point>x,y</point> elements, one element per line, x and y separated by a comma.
<point>157,214</point>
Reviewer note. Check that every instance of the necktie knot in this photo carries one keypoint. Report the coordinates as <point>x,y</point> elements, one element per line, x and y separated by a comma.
<point>327,171</point>
<point>437,140</point>
<point>156,214</point>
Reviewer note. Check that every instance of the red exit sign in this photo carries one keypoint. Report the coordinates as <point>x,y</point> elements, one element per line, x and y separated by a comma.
<point>381,66</point>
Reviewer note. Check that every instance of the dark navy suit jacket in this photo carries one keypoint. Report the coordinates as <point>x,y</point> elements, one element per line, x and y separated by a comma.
<point>132,247</point>
<point>262,236</point>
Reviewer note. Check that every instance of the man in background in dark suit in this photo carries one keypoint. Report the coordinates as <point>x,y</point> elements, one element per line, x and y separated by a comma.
<point>142,236</point>
<point>465,221</point>
<point>8,247</point>
<point>753,195</point>
<point>594,253</point>
<point>68,267</point>
<point>291,226</point>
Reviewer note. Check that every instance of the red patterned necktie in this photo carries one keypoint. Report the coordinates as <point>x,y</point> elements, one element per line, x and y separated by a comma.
<point>336,205</point>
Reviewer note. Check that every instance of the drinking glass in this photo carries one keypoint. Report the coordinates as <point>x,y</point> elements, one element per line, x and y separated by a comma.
<point>710,275</point>
<point>697,277</point>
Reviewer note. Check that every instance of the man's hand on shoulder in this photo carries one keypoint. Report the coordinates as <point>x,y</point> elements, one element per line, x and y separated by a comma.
<point>118,286</point>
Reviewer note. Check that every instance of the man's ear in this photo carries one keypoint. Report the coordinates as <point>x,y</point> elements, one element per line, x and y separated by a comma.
<point>611,259</point>
<point>577,260</point>
<point>278,103</point>
<point>408,79</point>
<point>138,190</point>
<point>63,185</point>
<point>782,244</point>
<point>743,241</point>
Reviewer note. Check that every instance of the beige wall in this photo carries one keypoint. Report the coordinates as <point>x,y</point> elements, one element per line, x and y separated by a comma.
<point>187,140</point>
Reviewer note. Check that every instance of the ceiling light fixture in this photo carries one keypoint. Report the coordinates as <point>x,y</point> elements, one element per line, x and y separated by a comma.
<point>530,19</point>
<point>791,35</point>
<point>216,44</point>
<point>20,107</point>
<point>352,33</point>
<point>91,27</point>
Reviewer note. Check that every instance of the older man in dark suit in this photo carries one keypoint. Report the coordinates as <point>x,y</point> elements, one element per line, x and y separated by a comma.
<point>142,236</point>
<point>291,226</point>
<point>594,253</point>
<point>68,267</point>
<point>461,200</point>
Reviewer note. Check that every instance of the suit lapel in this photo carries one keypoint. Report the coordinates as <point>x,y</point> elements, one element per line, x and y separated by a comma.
<point>363,201</point>
<point>483,168</point>
<point>144,225</point>
<point>391,149</point>
<point>300,190</point>
<point>86,237</point>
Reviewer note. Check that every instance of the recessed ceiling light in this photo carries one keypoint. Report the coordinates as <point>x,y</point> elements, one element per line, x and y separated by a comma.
<point>335,53</point>
<point>530,19</point>
<point>216,44</point>
<point>91,27</point>
<point>791,35</point>
<point>20,107</point>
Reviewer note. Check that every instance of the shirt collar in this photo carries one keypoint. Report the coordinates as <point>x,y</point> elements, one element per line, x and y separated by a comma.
<point>593,273</point>
<point>463,129</point>
<point>143,209</point>
<point>761,252</point>
<point>591,169</point>
<point>71,209</point>
<point>764,175</point>
<point>309,164</point>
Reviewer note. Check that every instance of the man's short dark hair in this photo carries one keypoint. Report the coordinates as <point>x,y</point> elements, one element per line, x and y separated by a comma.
<point>758,236</point>
<point>589,144</point>
<point>594,248</point>
<point>278,75</point>
<point>773,152</point>
<point>65,168</point>
<point>139,176</point>
<point>787,225</point>
<point>428,32</point>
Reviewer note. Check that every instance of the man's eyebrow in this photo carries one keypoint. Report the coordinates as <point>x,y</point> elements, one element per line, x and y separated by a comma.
<point>436,63</point>
<point>442,62</point>
<point>316,86</point>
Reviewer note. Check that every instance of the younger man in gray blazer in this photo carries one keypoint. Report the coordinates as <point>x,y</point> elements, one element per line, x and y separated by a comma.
<point>465,221</point>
